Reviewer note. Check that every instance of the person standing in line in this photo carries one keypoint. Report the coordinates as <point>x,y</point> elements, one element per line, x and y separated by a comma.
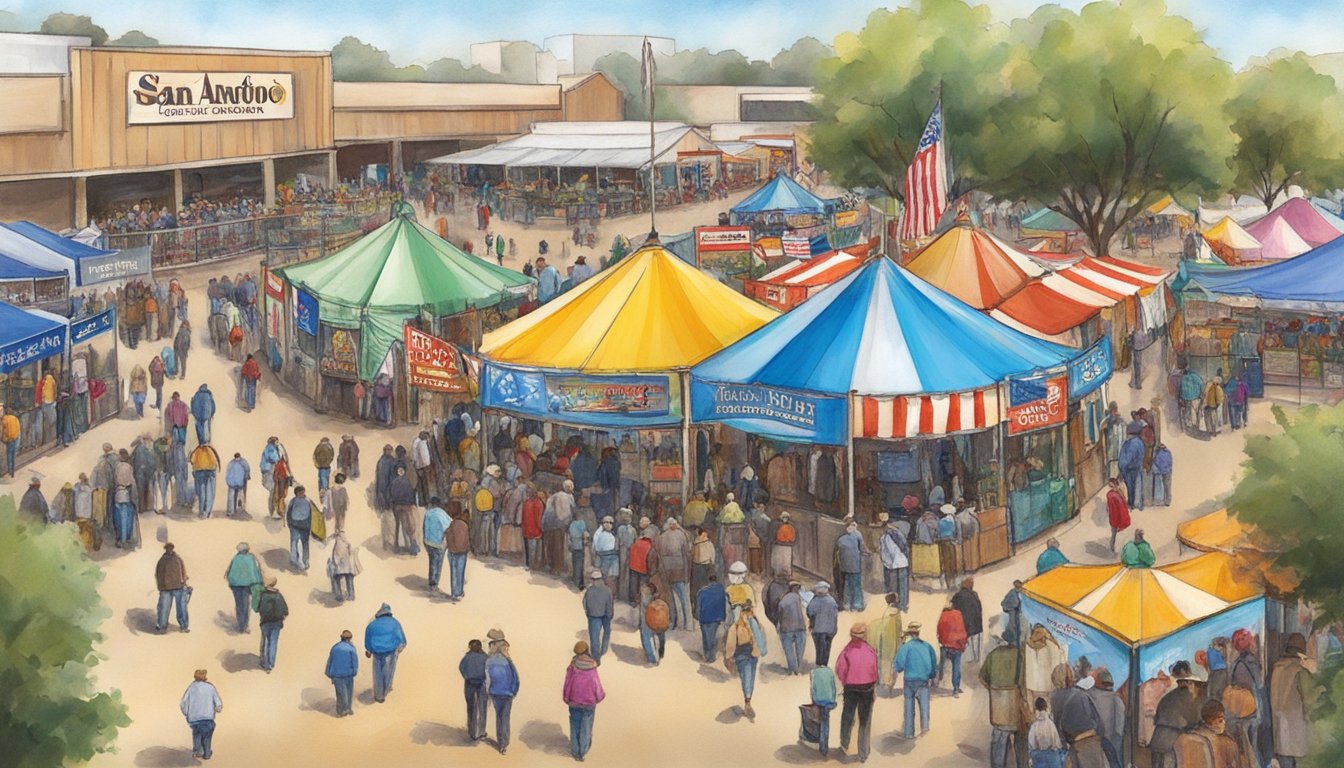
<point>175,417</point>
<point>856,669</point>
<point>850,550</point>
<point>271,612</point>
<point>605,556</point>
<point>338,501</point>
<point>1177,712</point>
<point>952,644</point>
<point>243,576</point>
<point>744,645</point>
<point>1293,693</point>
<point>501,683</point>
<point>457,541</point>
<point>236,477</point>
<point>711,609</point>
<point>472,669</point>
<point>968,603</point>
<point>917,661</point>
<point>9,435</point>
<point>576,536</point>
<point>823,617</point>
<point>123,500</point>
<point>181,346</point>
<point>533,510</point>
<point>1117,511</point>
<point>1111,710</point>
<point>598,607</point>
<point>170,575</point>
<point>204,470</point>
<point>251,374</point>
<point>1045,748</point>
<point>347,457</point>
<point>674,565</point>
<point>145,463</point>
<point>582,693</point>
<point>343,566</point>
<point>200,703</point>
<point>894,549</point>
<point>323,455</point>
<point>299,519</point>
<point>384,640</point>
<point>342,666</point>
<point>1132,453</point>
<point>423,463</point>
<point>822,689</point>
<point>139,387</point>
<point>203,410</point>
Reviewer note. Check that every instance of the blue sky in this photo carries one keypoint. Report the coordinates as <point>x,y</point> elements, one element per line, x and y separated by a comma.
<point>419,31</point>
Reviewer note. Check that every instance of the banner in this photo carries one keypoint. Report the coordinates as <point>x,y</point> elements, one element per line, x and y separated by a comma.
<point>846,219</point>
<point>797,247</point>
<point>604,401</point>
<point>20,353</point>
<point>1037,402</point>
<point>514,390</point>
<point>161,98</point>
<point>114,266</point>
<point>433,363</point>
<point>1090,370</point>
<point>642,395</point>
<point>341,357</point>
<point>83,330</point>
<point>772,412</point>
<point>305,311</point>
<point>723,238</point>
<point>275,287</point>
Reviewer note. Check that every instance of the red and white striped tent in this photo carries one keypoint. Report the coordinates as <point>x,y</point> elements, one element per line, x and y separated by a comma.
<point>792,284</point>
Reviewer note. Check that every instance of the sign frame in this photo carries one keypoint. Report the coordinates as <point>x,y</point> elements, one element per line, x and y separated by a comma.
<point>1036,402</point>
<point>140,113</point>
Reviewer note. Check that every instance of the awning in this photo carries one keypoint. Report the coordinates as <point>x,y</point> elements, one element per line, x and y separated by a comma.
<point>1304,219</point>
<point>974,266</point>
<point>84,264</point>
<point>783,194</point>
<point>1043,310</point>
<point>29,335</point>
<point>818,270</point>
<point>580,145</point>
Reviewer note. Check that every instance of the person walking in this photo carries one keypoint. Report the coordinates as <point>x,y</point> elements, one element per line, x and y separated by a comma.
<point>1117,511</point>
<point>175,417</point>
<point>1111,713</point>
<point>343,566</point>
<point>856,669</point>
<point>653,623</point>
<point>402,496</point>
<point>156,376</point>
<point>744,645</point>
<point>271,612</point>
<point>1236,393</point>
<point>791,623</point>
<point>917,661</point>
<point>711,610</point>
<point>342,666</point>
<point>271,455</point>
<point>598,608</point>
<point>251,374</point>
<point>203,410</point>
<point>894,550</point>
<point>952,644</point>
<point>822,618</point>
<point>605,554</point>
<point>235,477</point>
<point>145,464</point>
<point>200,704</point>
<point>1293,693</point>
<point>968,603</point>
<point>1132,453</point>
<point>170,575</point>
<point>347,457</point>
<point>1191,390</point>
<point>181,346</point>
<point>244,577</point>
<point>423,462</point>
<point>582,692</point>
<point>1051,557</point>
<point>139,387</point>
<point>435,533</point>
<point>472,669</point>
<point>1162,475</point>
<point>457,540</point>
<point>384,640</point>
<point>533,510</point>
<point>323,455</point>
<point>822,691</point>
<point>849,550</point>
<point>1213,403</point>
<point>1001,674</point>
<point>576,537</point>
<point>299,520</point>
<point>501,683</point>
<point>204,469</point>
<point>674,566</point>
<point>338,501</point>
<point>1077,718</point>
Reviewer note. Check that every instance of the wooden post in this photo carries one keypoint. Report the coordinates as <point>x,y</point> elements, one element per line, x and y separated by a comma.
<point>849,451</point>
<point>686,446</point>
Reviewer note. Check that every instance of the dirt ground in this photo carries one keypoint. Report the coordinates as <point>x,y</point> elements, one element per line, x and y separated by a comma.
<point>680,713</point>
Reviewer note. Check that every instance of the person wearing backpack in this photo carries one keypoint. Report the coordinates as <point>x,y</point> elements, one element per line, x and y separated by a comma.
<point>743,647</point>
<point>654,618</point>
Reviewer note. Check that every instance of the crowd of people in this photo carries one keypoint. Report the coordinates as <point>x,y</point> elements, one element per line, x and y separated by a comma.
<point>145,216</point>
<point>1208,405</point>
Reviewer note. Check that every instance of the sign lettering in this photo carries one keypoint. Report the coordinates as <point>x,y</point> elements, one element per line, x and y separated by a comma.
<point>643,395</point>
<point>1037,402</point>
<point>83,330</point>
<point>723,238</point>
<point>433,363</point>
<point>159,98</point>
<point>1090,370</point>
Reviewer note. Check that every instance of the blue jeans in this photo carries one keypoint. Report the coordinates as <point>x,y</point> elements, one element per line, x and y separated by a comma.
<point>298,546</point>
<point>323,478</point>
<point>235,500</point>
<point>746,672</point>
<point>457,573</point>
<point>580,730</point>
<point>474,690</point>
<point>949,655</point>
<point>709,638</point>
<point>1132,487</point>
<point>680,603</point>
<point>435,564</point>
<point>854,591</point>
<point>1162,489</point>
<point>11,453</point>
<point>646,638</point>
<point>139,399</point>
<point>384,669</point>
<point>124,521</point>
<point>202,431</point>
<point>202,733</point>
<point>795,644</point>
<point>250,393</point>
<point>599,635</point>
<point>345,694</point>
<point>165,502</point>
<point>242,605</point>
<point>824,731</point>
<point>205,491</point>
<point>270,643</point>
<point>897,582</point>
<point>168,598</point>
<point>503,708</point>
<point>180,435</point>
<point>916,689</point>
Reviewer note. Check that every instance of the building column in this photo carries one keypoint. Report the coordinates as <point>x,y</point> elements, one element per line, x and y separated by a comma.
<point>81,202</point>
<point>395,166</point>
<point>268,182</point>
<point>333,175</point>
<point>179,194</point>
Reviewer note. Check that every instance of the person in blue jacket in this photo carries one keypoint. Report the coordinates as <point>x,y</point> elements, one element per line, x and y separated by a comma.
<point>342,666</point>
<point>711,610</point>
<point>384,640</point>
<point>501,682</point>
<point>203,410</point>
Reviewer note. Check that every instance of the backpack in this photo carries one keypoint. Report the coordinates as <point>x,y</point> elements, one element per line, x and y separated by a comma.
<point>656,615</point>
<point>485,500</point>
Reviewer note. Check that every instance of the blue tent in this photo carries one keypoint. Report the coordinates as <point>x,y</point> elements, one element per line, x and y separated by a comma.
<point>13,269</point>
<point>783,194</point>
<point>72,249</point>
<point>1314,279</point>
<point>27,336</point>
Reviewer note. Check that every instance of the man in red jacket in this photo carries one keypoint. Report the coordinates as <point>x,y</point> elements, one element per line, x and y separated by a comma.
<point>952,642</point>
<point>533,509</point>
<point>642,559</point>
<point>251,375</point>
<point>1116,509</point>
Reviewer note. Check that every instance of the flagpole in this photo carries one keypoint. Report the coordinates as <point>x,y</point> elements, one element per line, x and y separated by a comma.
<point>647,75</point>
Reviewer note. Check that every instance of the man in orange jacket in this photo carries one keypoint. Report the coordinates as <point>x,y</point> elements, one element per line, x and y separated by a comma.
<point>952,643</point>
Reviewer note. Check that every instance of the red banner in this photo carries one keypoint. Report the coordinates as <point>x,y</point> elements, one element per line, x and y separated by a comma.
<point>433,363</point>
<point>1037,403</point>
<point>275,287</point>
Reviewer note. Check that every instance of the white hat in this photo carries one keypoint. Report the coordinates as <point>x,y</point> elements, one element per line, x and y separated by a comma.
<point>493,470</point>
<point>948,509</point>
<point>738,567</point>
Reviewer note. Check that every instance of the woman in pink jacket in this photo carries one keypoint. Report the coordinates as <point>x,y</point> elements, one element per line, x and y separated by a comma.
<point>583,691</point>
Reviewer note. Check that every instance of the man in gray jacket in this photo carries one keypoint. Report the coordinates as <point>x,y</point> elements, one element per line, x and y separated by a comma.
<point>822,615</point>
<point>598,606</point>
<point>849,552</point>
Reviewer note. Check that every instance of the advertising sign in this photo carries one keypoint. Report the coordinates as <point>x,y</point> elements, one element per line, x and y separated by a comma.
<point>1037,402</point>
<point>797,247</point>
<point>1090,370</point>
<point>846,218</point>
<point>83,330</point>
<point>305,312</point>
<point>776,412</point>
<point>625,401</point>
<point>19,353</point>
<point>342,356</point>
<point>711,239</point>
<point>163,98</point>
<point>433,363</point>
<point>645,395</point>
<point>275,287</point>
<point>114,266</point>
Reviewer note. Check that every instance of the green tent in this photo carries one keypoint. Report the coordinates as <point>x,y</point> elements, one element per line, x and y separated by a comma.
<point>392,275</point>
<point>1049,220</point>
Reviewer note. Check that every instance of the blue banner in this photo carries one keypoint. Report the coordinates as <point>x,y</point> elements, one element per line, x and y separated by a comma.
<point>778,413</point>
<point>1199,635</point>
<point>305,311</point>
<point>20,353</point>
<point>601,401</point>
<point>1077,639</point>
<point>1090,370</point>
<point>83,330</point>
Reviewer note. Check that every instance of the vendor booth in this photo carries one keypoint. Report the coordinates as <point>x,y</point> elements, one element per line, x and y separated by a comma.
<point>94,373</point>
<point>882,387</point>
<point>32,346</point>
<point>1305,220</point>
<point>1231,243</point>
<point>84,264</point>
<point>1137,623</point>
<point>335,325</point>
<point>600,374</point>
<point>800,279</point>
<point>974,265</point>
<point>782,206</point>
<point>24,285</point>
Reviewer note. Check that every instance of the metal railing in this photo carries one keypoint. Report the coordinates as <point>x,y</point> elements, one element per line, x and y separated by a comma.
<point>318,233</point>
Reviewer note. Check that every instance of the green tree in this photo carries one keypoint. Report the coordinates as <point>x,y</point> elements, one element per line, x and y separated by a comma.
<point>448,70</point>
<point>70,24</point>
<point>1285,117</point>
<point>623,70</point>
<point>50,712</point>
<point>353,60</point>
<point>800,63</point>
<point>135,39</point>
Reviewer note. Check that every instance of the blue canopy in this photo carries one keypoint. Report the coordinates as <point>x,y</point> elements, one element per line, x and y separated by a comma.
<point>783,194</point>
<point>13,269</point>
<point>882,331</point>
<point>1311,280</point>
<point>29,335</point>
<point>63,245</point>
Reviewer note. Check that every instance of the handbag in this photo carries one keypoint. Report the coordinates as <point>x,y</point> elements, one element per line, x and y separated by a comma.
<point>1239,701</point>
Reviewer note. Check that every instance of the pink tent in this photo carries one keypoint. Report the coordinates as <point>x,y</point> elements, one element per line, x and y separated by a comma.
<point>1281,242</point>
<point>1309,224</point>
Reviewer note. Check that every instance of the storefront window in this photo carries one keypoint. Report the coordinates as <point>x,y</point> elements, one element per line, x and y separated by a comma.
<point>1036,473</point>
<point>934,470</point>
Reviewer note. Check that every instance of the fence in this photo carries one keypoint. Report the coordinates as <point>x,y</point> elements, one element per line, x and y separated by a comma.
<point>322,230</point>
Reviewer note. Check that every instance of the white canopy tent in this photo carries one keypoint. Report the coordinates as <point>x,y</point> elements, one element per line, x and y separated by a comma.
<point>623,144</point>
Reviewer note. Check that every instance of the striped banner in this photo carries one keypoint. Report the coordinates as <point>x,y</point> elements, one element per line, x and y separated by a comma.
<point>921,415</point>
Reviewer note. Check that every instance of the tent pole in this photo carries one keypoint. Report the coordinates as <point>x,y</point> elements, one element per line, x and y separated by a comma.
<point>849,453</point>
<point>685,438</point>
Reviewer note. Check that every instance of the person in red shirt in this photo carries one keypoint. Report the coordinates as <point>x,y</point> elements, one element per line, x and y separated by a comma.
<point>641,562</point>
<point>1116,509</point>
<point>533,509</point>
<point>251,375</point>
<point>952,643</point>
<point>856,670</point>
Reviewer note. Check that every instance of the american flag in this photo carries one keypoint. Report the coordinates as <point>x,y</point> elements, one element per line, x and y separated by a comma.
<point>926,181</point>
<point>648,72</point>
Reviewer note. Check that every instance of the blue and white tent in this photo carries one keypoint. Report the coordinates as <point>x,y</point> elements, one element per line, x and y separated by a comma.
<point>785,195</point>
<point>29,335</point>
<point>85,265</point>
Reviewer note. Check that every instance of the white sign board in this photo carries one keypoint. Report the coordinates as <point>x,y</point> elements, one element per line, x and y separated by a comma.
<point>161,98</point>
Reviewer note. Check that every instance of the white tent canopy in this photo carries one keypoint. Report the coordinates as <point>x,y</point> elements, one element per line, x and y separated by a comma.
<point>34,254</point>
<point>621,144</point>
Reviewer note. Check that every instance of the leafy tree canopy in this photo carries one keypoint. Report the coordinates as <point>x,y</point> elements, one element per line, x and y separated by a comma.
<point>70,24</point>
<point>136,39</point>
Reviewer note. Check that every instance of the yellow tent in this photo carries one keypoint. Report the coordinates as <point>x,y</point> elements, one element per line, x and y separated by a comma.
<point>1215,532</point>
<point>651,312</point>
<point>1232,235</point>
<point>1137,605</point>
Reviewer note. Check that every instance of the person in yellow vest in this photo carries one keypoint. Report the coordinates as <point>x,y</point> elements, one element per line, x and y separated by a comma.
<point>740,591</point>
<point>204,468</point>
<point>885,635</point>
<point>9,435</point>
<point>46,400</point>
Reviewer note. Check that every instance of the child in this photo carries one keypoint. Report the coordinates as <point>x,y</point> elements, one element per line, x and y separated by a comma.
<point>823,698</point>
<point>1044,747</point>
